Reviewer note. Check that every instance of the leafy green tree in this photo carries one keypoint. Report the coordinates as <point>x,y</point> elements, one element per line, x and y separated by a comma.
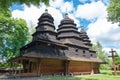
<point>31,30</point>
<point>114,11</point>
<point>7,3</point>
<point>101,55</point>
<point>117,59</point>
<point>13,35</point>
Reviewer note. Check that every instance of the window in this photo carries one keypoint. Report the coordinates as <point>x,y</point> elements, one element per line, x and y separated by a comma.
<point>83,52</point>
<point>91,54</point>
<point>76,50</point>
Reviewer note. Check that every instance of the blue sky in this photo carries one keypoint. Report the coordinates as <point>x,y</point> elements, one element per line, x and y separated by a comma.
<point>90,13</point>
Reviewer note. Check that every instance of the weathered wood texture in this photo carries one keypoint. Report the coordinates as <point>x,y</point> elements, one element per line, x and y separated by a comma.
<point>80,67</point>
<point>52,67</point>
<point>63,52</point>
<point>47,66</point>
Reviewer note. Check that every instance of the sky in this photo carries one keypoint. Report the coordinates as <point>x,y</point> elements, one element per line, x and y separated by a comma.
<point>91,14</point>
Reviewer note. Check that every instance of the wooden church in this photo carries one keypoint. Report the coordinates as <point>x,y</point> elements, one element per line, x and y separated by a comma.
<point>65,51</point>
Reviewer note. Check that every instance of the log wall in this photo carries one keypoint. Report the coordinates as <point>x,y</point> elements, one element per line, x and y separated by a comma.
<point>77,67</point>
<point>51,67</point>
<point>46,66</point>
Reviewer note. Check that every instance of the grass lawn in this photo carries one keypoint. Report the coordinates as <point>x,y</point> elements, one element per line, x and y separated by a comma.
<point>91,77</point>
<point>105,75</point>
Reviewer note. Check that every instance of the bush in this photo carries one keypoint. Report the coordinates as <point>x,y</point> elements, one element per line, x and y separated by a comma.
<point>104,66</point>
<point>110,73</point>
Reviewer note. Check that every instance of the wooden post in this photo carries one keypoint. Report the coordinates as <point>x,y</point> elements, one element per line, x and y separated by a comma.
<point>11,68</point>
<point>20,66</point>
<point>39,67</point>
<point>113,60</point>
<point>28,66</point>
<point>92,71</point>
<point>66,67</point>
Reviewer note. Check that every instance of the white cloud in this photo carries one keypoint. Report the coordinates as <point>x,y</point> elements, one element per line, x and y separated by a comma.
<point>67,6</point>
<point>100,30</point>
<point>56,14</point>
<point>63,6</point>
<point>76,21</point>
<point>107,50</point>
<point>90,11</point>
<point>31,14</point>
<point>56,3</point>
<point>106,33</point>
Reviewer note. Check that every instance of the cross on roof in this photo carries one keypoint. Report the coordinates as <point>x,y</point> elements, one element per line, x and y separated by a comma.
<point>66,13</point>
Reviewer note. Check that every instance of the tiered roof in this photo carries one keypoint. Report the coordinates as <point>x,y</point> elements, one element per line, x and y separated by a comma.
<point>67,31</point>
<point>63,44</point>
<point>85,37</point>
<point>45,29</point>
<point>67,25</point>
<point>86,40</point>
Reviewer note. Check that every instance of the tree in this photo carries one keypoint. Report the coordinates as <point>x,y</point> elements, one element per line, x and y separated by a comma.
<point>101,55</point>
<point>117,59</point>
<point>13,35</point>
<point>7,3</point>
<point>114,11</point>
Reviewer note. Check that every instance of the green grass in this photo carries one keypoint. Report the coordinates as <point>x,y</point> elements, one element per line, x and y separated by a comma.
<point>109,72</point>
<point>105,75</point>
<point>91,77</point>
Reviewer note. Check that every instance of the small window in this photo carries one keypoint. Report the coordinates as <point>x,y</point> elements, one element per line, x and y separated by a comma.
<point>76,50</point>
<point>58,38</point>
<point>91,54</point>
<point>83,52</point>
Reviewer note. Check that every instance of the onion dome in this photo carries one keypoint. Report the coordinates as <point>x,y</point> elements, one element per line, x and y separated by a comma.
<point>67,19</point>
<point>46,22</point>
<point>67,32</point>
<point>45,29</point>
<point>67,28</point>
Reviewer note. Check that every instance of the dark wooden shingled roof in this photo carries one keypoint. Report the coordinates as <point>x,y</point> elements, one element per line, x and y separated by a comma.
<point>44,41</point>
<point>55,48</point>
<point>85,59</point>
<point>34,55</point>
<point>68,42</point>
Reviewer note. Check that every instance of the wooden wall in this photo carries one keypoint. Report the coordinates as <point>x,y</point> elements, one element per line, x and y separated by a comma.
<point>51,67</point>
<point>48,66</point>
<point>77,67</point>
